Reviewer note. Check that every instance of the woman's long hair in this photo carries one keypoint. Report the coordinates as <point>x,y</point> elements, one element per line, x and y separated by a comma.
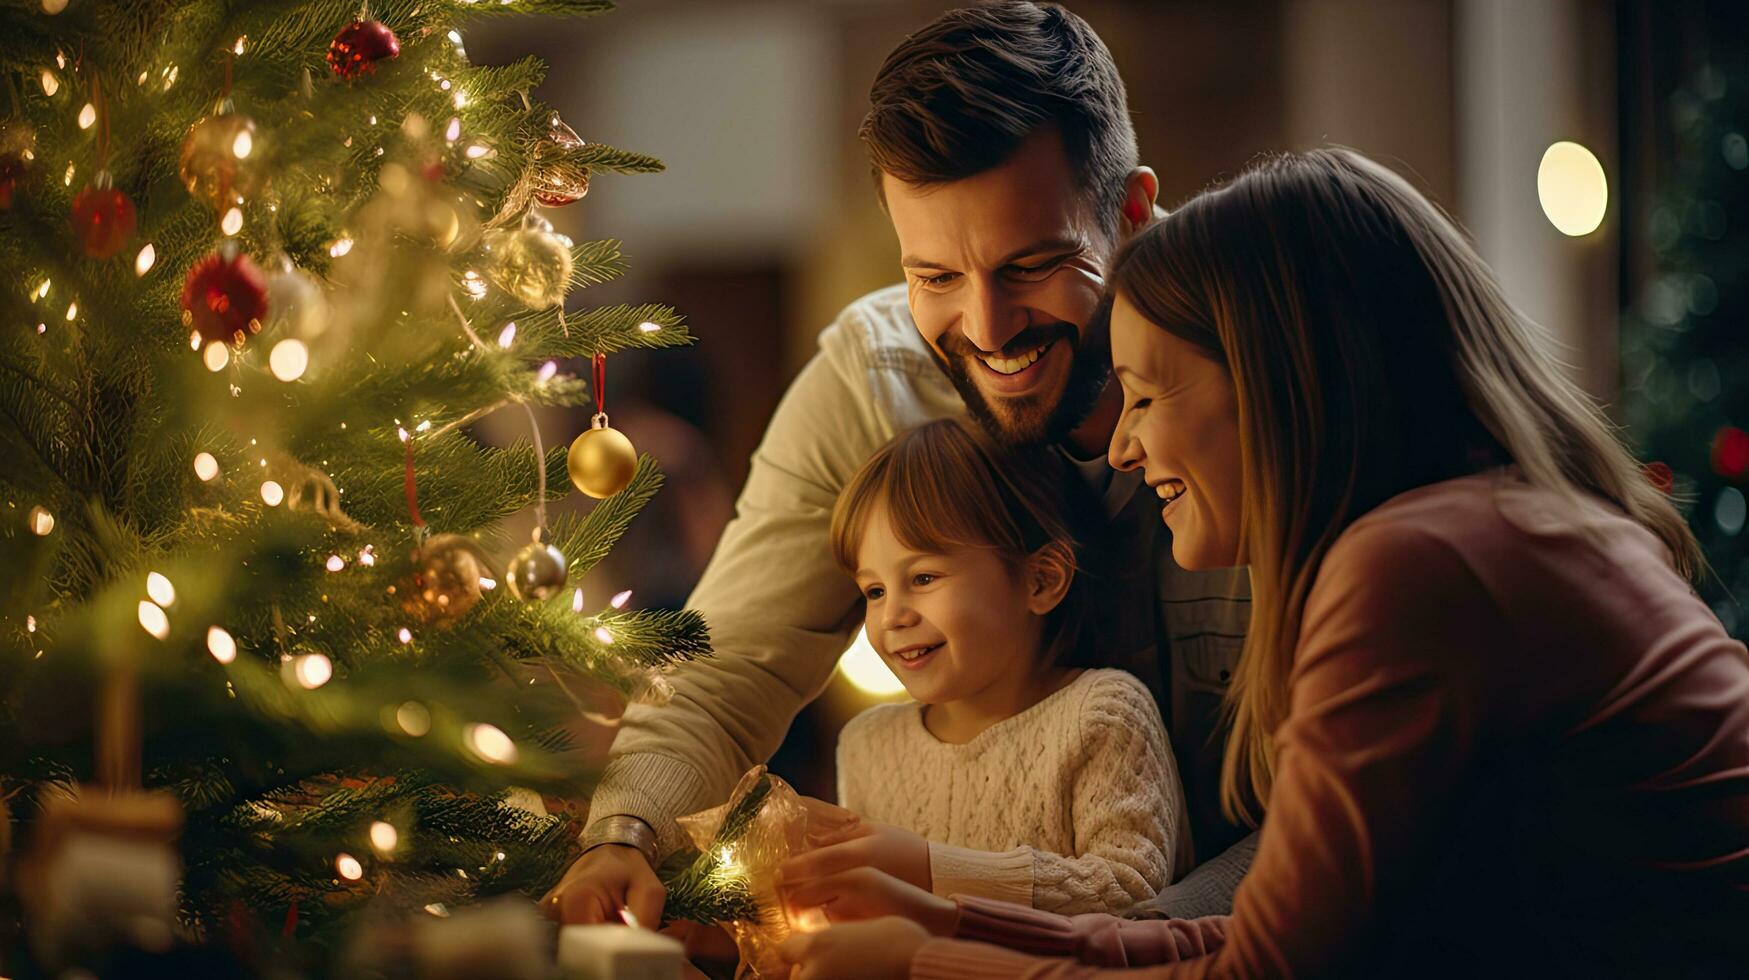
<point>1372,352</point>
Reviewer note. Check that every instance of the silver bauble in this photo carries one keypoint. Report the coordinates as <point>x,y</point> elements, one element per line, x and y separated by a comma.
<point>537,572</point>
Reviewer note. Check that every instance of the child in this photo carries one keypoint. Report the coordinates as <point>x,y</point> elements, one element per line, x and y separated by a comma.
<point>1032,781</point>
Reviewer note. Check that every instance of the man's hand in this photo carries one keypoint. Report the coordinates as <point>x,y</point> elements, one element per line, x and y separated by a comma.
<point>867,893</point>
<point>877,950</point>
<point>603,881</point>
<point>864,844</point>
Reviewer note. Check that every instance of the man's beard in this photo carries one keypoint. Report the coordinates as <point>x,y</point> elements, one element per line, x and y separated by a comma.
<point>1033,418</point>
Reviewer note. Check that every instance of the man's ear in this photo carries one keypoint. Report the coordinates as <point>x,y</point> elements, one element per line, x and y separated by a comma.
<point>1049,571</point>
<point>1141,187</point>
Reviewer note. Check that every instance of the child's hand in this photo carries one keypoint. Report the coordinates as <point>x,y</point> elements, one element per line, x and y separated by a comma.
<point>865,893</point>
<point>864,844</point>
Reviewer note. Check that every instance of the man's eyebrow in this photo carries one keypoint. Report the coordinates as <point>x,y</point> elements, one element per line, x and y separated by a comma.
<point>1058,243</point>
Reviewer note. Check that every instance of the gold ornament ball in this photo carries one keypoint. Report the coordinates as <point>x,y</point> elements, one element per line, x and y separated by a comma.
<point>537,572</point>
<point>601,461</point>
<point>446,579</point>
<point>220,158</point>
<point>533,265</point>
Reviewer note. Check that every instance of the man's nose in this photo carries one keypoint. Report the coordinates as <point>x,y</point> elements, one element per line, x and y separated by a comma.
<point>991,317</point>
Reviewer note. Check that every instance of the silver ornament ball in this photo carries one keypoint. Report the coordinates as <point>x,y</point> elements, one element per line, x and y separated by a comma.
<point>537,572</point>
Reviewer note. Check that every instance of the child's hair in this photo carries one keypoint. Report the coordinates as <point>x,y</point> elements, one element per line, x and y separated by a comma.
<point>946,485</point>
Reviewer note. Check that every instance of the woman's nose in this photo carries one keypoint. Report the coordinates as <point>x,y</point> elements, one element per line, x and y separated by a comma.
<point>1125,453</point>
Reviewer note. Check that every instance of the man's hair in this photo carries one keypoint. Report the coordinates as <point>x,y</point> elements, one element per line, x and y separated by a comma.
<point>961,95</point>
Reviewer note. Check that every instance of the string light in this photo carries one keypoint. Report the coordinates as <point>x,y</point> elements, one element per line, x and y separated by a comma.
<point>336,563</point>
<point>367,556</point>
<point>383,836</point>
<point>238,47</point>
<point>87,116</point>
<point>232,222</point>
<point>67,178</point>
<point>205,466</point>
<point>488,584</point>
<point>220,644</point>
<point>620,599</point>
<point>604,635</point>
<point>476,151</point>
<point>272,493</point>
<point>72,311</point>
<point>143,262</point>
<point>405,635</point>
<point>215,357</point>
<point>475,286</point>
<point>340,246</point>
<point>649,326</point>
<point>490,743</point>
<point>153,620</point>
<point>289,359</point>
<point>453,131</point>
<point>547,371</point>
<point>1572,188</point>
<point>41,521</point>
<point>348,867</point>
<point>312,670</point>
<point>51,84</point>
<point>243,145</point>
<point>42,289</point>
<point>160,589</point>
<point>506,337</point>
<point>577,601</point>
<point>413,718</point>
<point>30,624</point>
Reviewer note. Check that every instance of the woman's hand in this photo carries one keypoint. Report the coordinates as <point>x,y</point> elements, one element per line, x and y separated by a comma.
<point>864,844</point>
<point>856,894</point>
<point>881,949</point>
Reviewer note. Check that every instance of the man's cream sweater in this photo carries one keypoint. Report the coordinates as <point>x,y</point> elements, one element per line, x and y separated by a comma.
<point>1073,805</point>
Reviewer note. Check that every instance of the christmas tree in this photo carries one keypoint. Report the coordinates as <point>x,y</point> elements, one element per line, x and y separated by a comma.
<point>261,265</point>
<point>1685,340</point>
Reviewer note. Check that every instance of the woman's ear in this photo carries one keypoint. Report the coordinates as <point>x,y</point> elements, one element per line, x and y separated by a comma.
<point>1049,571</point>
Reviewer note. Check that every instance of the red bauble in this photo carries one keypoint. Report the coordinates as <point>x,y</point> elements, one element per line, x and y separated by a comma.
<point>1731,452</point>
<point>104,219</point>
<point>359,46</point>
<point>1660,475</point>
<point>224,300</point>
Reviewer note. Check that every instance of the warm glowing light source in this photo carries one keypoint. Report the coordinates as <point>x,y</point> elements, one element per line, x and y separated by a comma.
<point>153,620</point>
<point>383,836</point>
<point>577,601</point>
<point>41,521</point>
<point>215,357</point>
<point>289,359</point>
<point>1572,187</point>
<point>453,131</point>
<point>620,599</point>
<point>243,145</point>
<point>87,116</point>
<point>866,671</point>
<point>547,371</point>
<point>649,326</point>
<point>160,589</point>
<point>72,311</point>
<point>507,336</point>
<point>51,84</point>
<point>272,493</point>
<point>340,246</point>
<point>312,670</point>
<point>143,261</point>
<point>490,743</point>
<point>413,718</point>
<point>404,634</point>
<point>336,563</point>
<point>477,150</point>
<point>604,635</point>
<point>348,867</point>
<point>205,466</point>
<point>232,222</point>
<point>220,644</point>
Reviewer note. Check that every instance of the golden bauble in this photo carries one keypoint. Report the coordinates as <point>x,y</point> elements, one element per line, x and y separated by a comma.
<point>537,572</point>
<point>220,161</point>
<point>602,461</point>
<point>532,264</point>
<point>446,579</point>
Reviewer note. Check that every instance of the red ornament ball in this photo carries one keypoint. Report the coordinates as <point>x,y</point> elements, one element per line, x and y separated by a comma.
<point>1659,474</point>
<point>359,46</point>
<point>104,219</point>
<point>224,299</point>
<point>1731,452</point>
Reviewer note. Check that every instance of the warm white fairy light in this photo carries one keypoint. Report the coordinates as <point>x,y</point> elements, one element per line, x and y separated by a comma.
<point>384,836</point>
<point>620,599</point>
<point>312,670</point>
<point>336,563</point>
<point>51,84</point>
<point>30,624</point>
<point>340,246</point>
<point>272,493</point>
<point>413,718</point>
<point>195,340</point>
<point>87,116</point>
<point>205,466</point>
<point>220,644</point>
<point>604,635</point>
<point>490,743</point>
<point>170,72</point>
<point>42,289</point>
<point>368,556</point>
<point>348,867</point>
<point>232,222</point>
<point>67,178</point>
<point>453,131</point>
<point>405,635</point>
<point>141,81</point>
<point>424,426</point>
<point>289,359</point>
<point>215,357</point>
<point>160,589</point>
<point>42,328</point>
<point>243,145</point>
<point>41,522</point>
<point>577,601</point>
<point>488,584</point>
<point>507,336</point>
<point>476,151</point>
<point>402,433</point>
<point>153,620</point>
<point>72,311</point>
<point>472,282</point>
<point>547,371</point>
<point>143,262</point>
<point>649,326</point>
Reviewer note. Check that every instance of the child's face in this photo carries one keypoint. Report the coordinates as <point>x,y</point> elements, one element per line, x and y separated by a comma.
<point>950,626</point>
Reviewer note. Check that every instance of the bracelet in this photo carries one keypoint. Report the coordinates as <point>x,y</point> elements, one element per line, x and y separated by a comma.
<point>623,829</point>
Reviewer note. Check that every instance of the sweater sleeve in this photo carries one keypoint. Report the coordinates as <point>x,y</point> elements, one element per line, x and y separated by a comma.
<point>1026,936</point>
<point>1383,706</point>
<point>1126,803</point>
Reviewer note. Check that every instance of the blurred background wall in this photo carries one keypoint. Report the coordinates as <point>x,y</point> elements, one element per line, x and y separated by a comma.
<point>765,223</point>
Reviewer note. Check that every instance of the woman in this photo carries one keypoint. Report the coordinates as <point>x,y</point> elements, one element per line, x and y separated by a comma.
<point>1494,729</point>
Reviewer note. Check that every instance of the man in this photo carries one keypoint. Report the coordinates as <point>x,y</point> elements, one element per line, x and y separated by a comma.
<point>1003,151</point>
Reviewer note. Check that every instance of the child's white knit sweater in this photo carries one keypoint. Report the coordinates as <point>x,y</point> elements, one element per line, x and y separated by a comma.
<point>1073,805</point>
